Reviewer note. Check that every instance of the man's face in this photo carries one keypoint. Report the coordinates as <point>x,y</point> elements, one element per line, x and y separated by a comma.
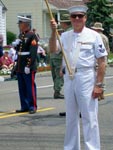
<point>78,20</point>
<point>6,54</point>
<point>63,25</point>
<point>21,25</point>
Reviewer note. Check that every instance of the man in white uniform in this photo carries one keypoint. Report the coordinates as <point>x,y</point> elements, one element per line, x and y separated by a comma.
<point>83,48</point>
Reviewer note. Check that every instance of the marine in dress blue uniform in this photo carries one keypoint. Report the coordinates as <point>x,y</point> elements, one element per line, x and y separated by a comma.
<point>83,48</point>
<point>26,66</point>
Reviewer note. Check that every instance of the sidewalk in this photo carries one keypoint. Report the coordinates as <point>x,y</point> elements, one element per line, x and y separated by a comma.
<point>41,71</point>
<point>109,72</point>
<point>1,79</point>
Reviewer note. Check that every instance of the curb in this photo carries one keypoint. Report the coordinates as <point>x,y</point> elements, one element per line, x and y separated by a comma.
<point>43,73</point>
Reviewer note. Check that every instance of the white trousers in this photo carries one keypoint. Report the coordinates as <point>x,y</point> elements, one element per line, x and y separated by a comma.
<point>78,96</point>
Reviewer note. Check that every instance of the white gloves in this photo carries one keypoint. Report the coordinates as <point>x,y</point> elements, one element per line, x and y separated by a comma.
<point>27,70</point>
<point>17,41</point>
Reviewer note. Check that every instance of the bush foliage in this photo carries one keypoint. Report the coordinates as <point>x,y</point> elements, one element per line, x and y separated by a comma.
<point>10,37</point>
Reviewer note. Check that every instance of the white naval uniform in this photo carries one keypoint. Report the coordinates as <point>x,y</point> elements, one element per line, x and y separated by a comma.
<point>78,91</point>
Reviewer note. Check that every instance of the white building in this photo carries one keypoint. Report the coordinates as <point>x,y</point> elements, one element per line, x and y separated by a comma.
<point>37,11</point>
<point>3,10</point>
<point>30,8</point>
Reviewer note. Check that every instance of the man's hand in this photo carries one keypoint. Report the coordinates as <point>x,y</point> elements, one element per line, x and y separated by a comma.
<point>97,92</point>
<point>17,41</point>
<point>27,70</point>
<point>53,25</point>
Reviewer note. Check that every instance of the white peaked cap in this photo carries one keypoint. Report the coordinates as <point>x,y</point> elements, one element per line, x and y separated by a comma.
<point>23,19</point>
<point>78,8</point>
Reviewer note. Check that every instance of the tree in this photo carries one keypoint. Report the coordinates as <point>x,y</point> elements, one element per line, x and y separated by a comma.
<point>100,11</point>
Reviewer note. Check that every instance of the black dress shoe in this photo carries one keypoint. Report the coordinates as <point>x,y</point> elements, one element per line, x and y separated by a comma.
<point>62,114</point>
<point>32,111</point>
<point>58,95</point>
<point>21,111</point>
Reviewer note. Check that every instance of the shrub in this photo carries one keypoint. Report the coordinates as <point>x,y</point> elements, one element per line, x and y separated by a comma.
<point>10,37</point>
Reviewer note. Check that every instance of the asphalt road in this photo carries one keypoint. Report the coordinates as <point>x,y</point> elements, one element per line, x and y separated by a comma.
<point>45,129</point>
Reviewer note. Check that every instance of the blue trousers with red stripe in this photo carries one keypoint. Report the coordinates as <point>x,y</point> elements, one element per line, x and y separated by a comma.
<point>27,91</point>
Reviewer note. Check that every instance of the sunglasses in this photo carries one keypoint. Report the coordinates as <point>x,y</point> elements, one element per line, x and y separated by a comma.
<point>77,15</point>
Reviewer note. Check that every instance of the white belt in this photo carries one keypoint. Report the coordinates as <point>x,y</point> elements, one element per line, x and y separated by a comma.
<point>23,53</point>
<point>84,69</point>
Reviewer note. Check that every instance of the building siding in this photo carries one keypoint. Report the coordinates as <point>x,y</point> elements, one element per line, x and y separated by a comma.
<point>36,8</point>
<point>28,7</point>
<point>3,24</point>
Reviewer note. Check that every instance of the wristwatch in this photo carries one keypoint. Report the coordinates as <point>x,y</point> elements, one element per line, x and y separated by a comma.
<point>99,84</point>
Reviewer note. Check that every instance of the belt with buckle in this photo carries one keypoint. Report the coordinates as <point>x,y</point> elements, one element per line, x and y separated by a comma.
<point>83,69</point>
<point>23,53</point>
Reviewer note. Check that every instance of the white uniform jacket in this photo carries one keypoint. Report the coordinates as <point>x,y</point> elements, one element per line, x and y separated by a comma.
<point>92,47</point>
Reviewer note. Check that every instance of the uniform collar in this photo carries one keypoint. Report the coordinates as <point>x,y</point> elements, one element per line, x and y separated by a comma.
<point>78,34</point>
<point>25,32</point>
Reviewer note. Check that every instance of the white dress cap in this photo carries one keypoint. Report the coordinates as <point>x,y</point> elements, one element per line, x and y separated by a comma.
<point>23,19</point>
<point>78,8</point>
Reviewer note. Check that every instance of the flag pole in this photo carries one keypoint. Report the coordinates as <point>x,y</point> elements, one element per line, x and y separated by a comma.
<point>58,37</point>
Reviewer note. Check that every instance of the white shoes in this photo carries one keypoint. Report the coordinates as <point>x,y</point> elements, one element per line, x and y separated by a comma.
<point>40,64</point>
<point>44,64</point>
